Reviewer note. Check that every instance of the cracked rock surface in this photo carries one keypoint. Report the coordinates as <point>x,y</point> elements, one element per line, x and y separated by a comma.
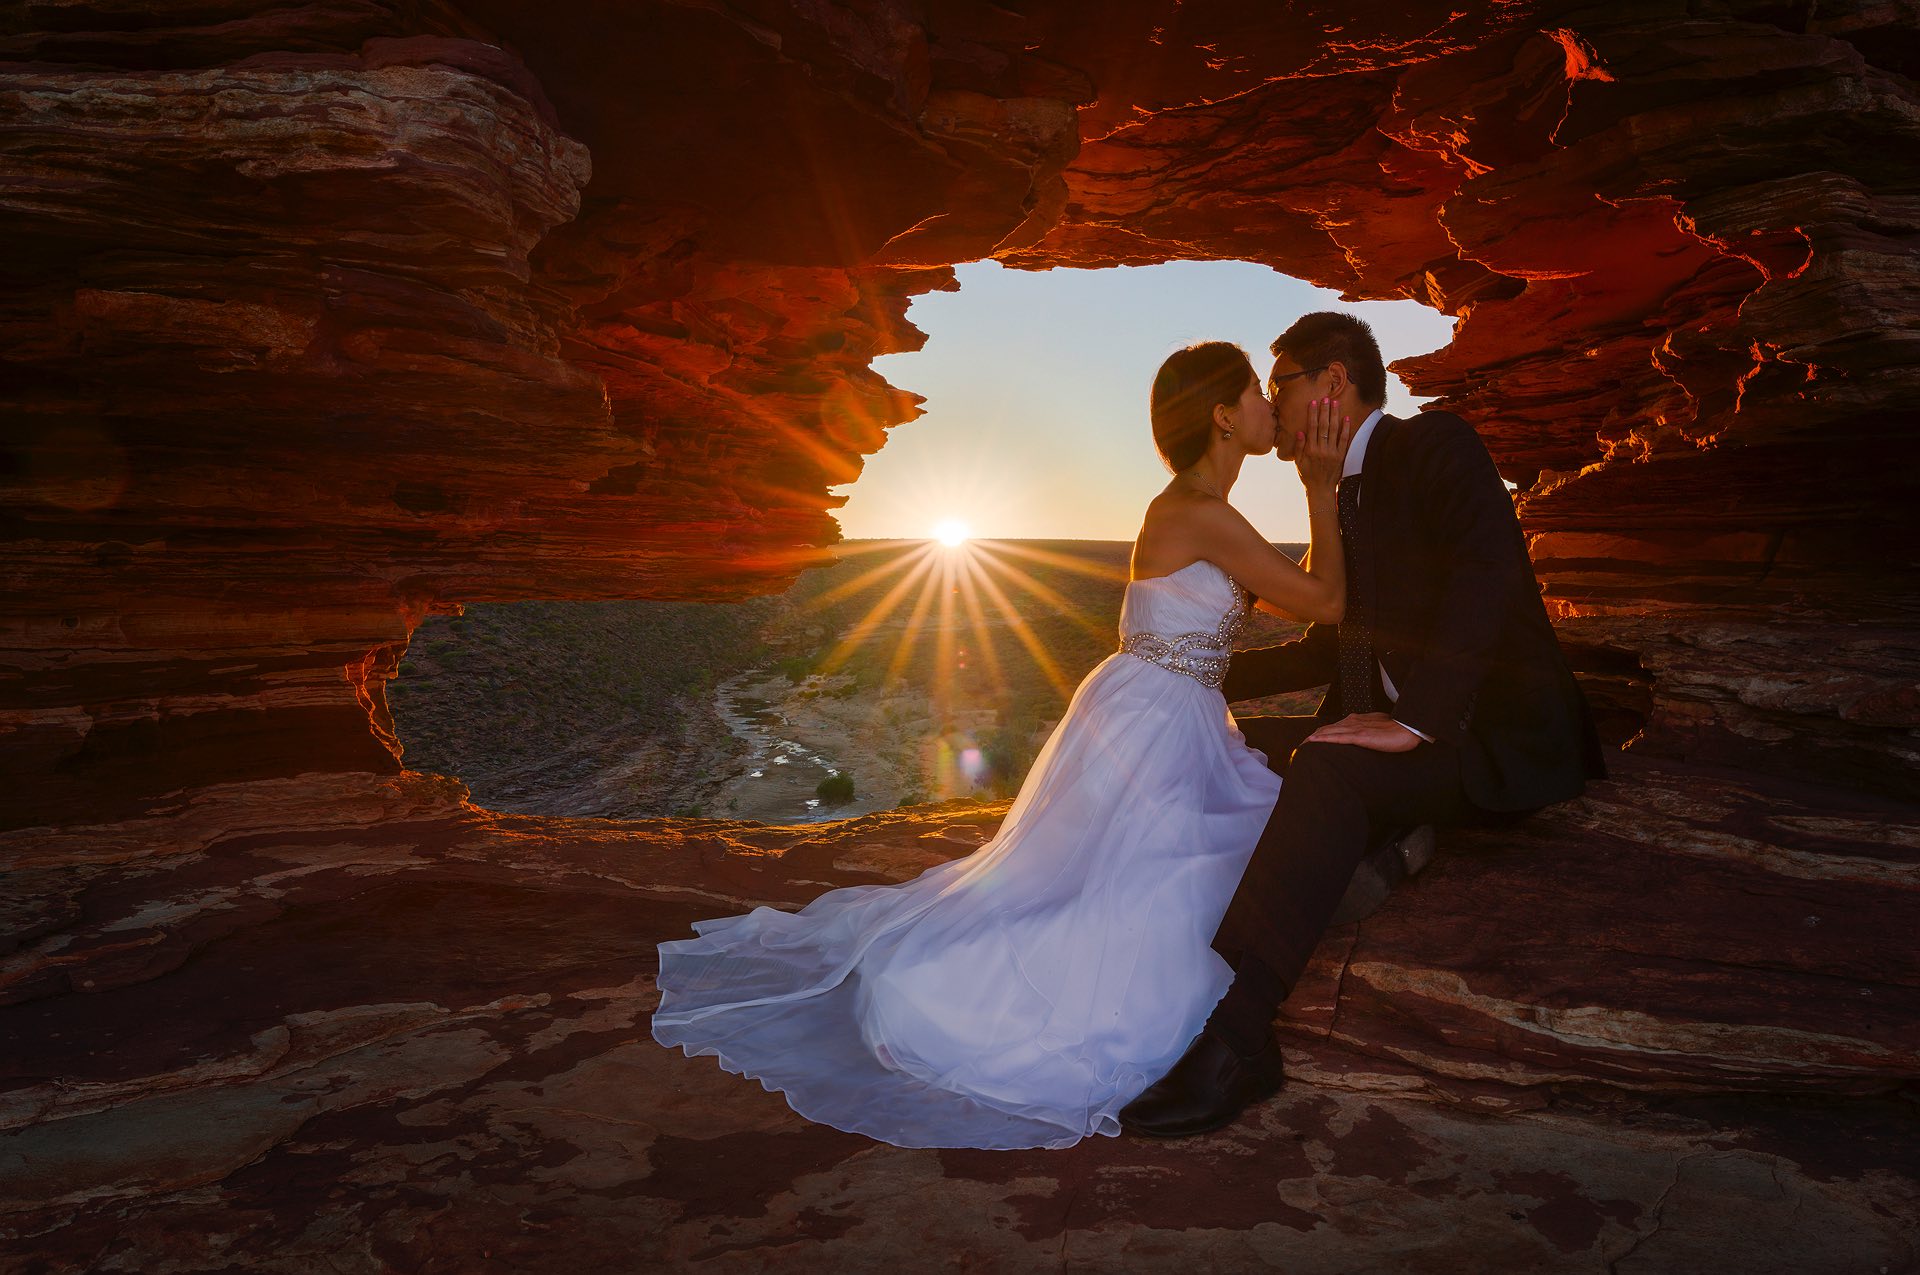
<point>323,317</point>
<point>362,1025</point>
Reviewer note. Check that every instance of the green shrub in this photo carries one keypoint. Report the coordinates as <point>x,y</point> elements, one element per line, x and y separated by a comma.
<point>836,789</point>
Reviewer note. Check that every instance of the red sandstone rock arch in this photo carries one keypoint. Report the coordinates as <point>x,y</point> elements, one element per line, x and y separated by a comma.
<point>378,309</point>
<point>323,316</point>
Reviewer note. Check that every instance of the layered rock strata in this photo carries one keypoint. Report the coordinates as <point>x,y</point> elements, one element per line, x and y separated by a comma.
<point>354,1023</point>
<point>322,318</point>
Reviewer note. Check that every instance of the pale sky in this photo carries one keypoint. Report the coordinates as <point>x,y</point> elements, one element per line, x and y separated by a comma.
<point>1036,383</point>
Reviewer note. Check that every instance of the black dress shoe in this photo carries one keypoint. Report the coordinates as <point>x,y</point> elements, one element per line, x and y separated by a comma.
<point>1417,847</point>
<point>1205,1090</point>
<point>1386,867</point>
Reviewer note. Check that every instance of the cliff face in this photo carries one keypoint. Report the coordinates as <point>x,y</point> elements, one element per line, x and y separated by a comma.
<point>323,318</point>
<point>309,335</point>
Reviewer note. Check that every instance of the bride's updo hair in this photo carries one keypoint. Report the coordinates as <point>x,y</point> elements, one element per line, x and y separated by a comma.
<point>1185,391</point>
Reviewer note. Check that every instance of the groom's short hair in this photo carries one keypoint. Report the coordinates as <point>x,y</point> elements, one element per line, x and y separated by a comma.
<point>1328,336</point>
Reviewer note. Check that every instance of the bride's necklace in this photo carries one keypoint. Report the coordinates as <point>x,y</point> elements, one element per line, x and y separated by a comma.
<point>1211,490</point>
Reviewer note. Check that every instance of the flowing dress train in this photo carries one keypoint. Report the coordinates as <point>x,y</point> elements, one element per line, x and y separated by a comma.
<point>1020,996</point>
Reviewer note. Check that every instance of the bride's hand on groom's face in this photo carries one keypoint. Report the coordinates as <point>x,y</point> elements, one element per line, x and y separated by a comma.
<point>1320,451</point>
<point>1367,730</point>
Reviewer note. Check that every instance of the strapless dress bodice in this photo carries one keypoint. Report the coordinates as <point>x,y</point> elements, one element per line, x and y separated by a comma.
<point>1184,621</point>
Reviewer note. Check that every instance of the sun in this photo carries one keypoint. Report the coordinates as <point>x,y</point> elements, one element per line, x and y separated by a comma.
<point>952,533</point>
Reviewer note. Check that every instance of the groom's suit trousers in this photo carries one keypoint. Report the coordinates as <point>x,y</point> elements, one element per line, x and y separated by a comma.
<point>1336,803</point>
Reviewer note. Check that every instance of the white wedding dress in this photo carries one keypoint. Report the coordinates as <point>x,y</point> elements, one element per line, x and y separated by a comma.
<point>1021,996</point>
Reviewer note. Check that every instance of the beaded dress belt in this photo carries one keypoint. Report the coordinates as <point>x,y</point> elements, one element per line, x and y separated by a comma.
<point>1178,655</point>
<point>1202,655</point>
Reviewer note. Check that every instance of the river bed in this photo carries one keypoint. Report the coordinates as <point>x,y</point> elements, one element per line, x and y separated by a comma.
<point>794,740</point>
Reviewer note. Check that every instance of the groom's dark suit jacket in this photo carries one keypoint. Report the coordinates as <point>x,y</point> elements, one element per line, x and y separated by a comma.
<point>1457,621</point>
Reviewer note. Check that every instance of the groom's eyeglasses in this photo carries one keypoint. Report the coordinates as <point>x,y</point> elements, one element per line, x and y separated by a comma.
<point>1275,382</point>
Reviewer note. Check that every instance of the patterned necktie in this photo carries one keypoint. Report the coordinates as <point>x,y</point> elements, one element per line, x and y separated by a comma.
<point>1355,644</point>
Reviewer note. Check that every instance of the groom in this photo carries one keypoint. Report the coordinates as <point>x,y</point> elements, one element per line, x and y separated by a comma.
<point>1448,699</point>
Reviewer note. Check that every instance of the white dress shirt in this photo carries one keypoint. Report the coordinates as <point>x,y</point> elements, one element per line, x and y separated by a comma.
<point>1356,461</point>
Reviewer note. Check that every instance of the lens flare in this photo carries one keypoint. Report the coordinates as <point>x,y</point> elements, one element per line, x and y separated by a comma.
<point>952,533</point>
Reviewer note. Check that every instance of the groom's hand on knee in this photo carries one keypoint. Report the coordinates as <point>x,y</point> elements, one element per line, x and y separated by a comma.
<point>1367,730</point>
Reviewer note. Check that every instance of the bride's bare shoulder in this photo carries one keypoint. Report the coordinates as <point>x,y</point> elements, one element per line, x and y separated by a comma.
<point>1174,531</point>
<point>1192,513</point>
<point>1179,503</point>
<point>1173,512</point>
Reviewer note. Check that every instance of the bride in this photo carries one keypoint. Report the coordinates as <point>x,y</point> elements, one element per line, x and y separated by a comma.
<point>1021,996</point>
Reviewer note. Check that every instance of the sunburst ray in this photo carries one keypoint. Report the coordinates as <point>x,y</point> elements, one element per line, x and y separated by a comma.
<point>847,588</point>
<point>1049,595</point>
<point>910,634</point>
<point>863,628</point>
<point>977,621</point>
<point>1018,626</point>
<point>1047,557</point>
<point>943,639</point>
